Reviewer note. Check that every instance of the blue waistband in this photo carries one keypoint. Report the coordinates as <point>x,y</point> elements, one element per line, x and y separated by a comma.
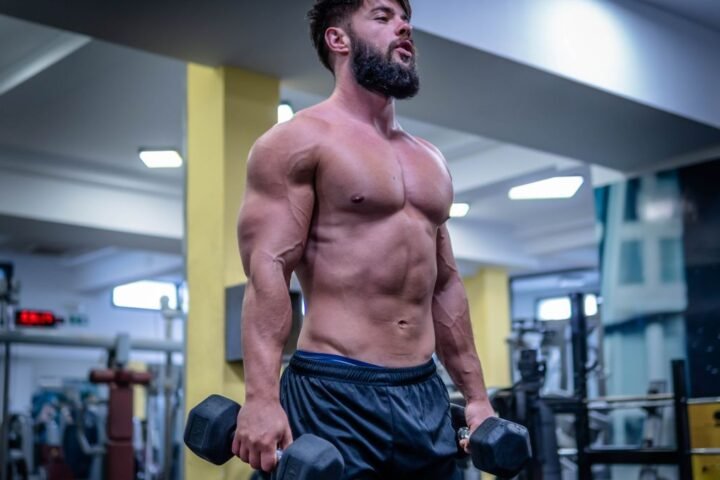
<point>330,358</point>
<point>337,367</point>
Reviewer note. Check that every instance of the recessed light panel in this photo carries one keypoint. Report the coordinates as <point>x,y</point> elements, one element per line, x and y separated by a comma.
<point>556,187</point>
<point>458,210</point>
<point>161,158</point>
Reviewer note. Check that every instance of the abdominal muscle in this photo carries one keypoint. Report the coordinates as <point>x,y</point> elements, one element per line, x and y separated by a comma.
<point>368,291</point>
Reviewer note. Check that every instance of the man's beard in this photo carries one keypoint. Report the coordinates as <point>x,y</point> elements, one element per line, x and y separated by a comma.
<point>381,74</point>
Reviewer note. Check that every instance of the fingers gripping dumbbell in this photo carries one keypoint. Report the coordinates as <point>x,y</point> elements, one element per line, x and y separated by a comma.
<point>209,433</point>
<point>497,446</point>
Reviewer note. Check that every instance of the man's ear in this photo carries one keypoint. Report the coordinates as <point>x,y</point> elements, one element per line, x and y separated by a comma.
<point>337,41</point>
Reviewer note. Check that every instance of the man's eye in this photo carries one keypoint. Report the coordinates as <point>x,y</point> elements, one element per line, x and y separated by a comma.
<point>382,19</point>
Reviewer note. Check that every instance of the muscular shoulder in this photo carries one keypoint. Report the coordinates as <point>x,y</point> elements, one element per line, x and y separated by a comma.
<point>433,151</point>
<point>287,150</point>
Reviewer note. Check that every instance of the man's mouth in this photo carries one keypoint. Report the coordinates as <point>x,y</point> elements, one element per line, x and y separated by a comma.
<point>405,48</point>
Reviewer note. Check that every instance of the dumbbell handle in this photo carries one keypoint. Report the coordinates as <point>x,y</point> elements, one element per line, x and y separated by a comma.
<point>463,434</point>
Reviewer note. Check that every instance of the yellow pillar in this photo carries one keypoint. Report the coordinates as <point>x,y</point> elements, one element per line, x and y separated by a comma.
<point>227,110</point>
<point>489,299</point>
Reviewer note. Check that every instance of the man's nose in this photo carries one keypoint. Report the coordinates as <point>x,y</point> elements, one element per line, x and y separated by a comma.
<point>404,29</point>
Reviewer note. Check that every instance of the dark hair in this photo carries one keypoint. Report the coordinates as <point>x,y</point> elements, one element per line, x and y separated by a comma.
<point>332,13</point>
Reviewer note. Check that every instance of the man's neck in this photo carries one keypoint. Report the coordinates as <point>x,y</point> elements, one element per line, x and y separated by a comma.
<point>369,107</point>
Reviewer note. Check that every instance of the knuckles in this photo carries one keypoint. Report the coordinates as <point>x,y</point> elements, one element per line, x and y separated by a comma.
<point>255,443</point>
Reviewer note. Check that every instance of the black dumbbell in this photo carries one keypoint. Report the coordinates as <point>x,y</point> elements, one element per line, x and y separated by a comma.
<point>209,434</point>
<point>497,446</point>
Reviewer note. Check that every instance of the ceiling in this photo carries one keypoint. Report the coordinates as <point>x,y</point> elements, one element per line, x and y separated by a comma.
<point>565,280</point>
<point>97,106</point>
<point>85,116</point>
<point>90,110</point>
<point>35,237</point>
<point>489,96</point>
<point>701,12</point>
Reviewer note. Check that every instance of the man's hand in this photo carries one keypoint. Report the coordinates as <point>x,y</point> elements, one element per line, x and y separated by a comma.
<point>262,428</point>
<point>475,414</point>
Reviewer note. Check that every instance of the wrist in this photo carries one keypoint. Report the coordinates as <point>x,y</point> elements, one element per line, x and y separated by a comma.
<point>477,397</point>
<point>261,397</point>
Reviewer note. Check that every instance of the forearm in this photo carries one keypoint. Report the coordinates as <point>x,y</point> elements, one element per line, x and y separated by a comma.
<point>454,342</point>
<point>266,325</point>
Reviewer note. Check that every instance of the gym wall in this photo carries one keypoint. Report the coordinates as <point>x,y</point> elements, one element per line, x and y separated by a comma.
<point>47,285</point>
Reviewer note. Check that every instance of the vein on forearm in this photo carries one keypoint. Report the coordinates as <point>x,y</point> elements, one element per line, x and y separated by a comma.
<point>454,339</point>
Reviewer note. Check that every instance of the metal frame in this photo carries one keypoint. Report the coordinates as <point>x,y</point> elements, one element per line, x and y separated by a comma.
<point>580,406</point>
<point>578,329</point>
<point>87,341</point>
<point>9,337</point>
<point>586,456</point>
<point>5,420</point>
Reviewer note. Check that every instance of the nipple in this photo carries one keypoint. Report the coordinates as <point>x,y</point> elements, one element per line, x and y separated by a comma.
<point>357,199</point>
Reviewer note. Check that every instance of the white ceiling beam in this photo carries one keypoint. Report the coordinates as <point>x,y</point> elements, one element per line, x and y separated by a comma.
<point>488,244</point>
<point>82,170</point>
<point>500,164</point>
<point>49,54</point>
<point>88,257</point>
<point>91,205</point>
<point>602,176</point>
<point>562,241</point>
<point>124,268</point>
<point>627,48</point>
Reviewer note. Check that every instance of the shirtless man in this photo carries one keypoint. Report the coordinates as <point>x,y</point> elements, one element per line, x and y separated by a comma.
<point>357,207</point>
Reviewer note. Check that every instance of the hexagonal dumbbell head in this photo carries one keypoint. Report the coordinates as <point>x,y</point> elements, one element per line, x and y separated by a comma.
<point>210,429</point>
<point>500,447</point>
<point>310,458</point>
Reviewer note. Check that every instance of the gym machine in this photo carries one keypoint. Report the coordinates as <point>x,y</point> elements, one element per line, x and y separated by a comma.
<point>9,290</point>
<point>20,446</point>
<point>118,447</point>
<point>119,453</point>
<point>171,388</point>
<point>524,403</point>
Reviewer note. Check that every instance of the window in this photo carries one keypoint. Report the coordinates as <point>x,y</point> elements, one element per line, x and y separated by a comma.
<point>590,304</point>
<point>145,294</point>
<point>557,308</point>
<point>631,263</point>
<point>184,295</point>
<point>671,260</point>
<point>560,308</point>
<point>632,197</point>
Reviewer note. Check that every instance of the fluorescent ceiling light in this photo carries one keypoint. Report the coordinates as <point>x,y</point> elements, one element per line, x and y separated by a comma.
<point>161,158</point>
<point>459,210</point>
<point>556,187</point>
<point>285,112</point>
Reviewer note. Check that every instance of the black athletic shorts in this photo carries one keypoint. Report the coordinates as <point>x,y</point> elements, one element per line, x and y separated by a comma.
<point>388,423</point>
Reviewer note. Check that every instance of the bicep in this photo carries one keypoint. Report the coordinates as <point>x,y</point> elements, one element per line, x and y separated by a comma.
<point>277,209</point>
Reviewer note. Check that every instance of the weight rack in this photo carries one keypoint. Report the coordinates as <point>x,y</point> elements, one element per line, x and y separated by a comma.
<point>580,406</point>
